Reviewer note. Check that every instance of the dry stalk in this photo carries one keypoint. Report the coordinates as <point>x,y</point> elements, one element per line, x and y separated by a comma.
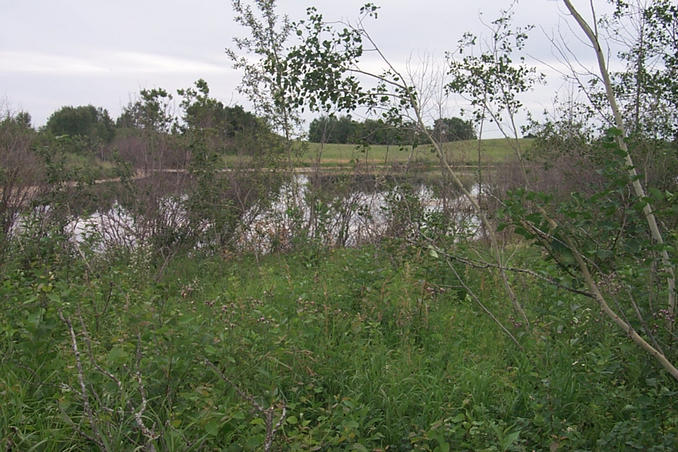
<point>527,271</point>
<point>483,307</point>
<point>138,415</point>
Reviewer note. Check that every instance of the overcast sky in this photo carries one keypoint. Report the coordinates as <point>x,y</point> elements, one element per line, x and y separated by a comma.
<point>101,52</point>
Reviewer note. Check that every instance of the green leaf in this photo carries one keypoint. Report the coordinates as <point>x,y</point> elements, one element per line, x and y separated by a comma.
<point>508,440</point>
<point>212,427</point>
<point>117,355</point>
<point>458,418</point>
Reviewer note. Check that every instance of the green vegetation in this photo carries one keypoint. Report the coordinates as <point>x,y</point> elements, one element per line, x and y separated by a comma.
<point>87,122</point>
<point>90,167</point>
<point>365,348</point>
<point>510,294</point>
<point>345,130</point>
<point>496,150</point>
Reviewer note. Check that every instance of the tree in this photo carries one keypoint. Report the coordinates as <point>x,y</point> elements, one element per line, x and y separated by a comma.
<point>262,58</point>
<point>21,171</point>
<point>150,120</point>
<point>620,140</point>
<point>226,129</point>
<point>151,112</point>
<point>606,238</point>
<point>453,129</point>
<point>84,121</point>
<point>324,69</point>
<point>330,129</point>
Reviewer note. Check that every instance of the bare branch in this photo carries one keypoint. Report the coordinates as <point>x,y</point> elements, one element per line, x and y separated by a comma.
<point>83,387</point>
<point>268,413</point>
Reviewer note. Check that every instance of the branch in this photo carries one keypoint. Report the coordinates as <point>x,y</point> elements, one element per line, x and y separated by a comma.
<point>619,122</point>
<point>138,415</point>
<point>83,387</point>
<point>268,413</point>
<point>483,307</point>
<point>486,265</point>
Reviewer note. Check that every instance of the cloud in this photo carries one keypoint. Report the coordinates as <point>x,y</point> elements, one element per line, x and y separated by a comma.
<point>153,63</point>
<point>104,64</point>
<point>37,63</point>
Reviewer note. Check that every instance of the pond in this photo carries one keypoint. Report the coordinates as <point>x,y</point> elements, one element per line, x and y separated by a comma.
<point>330,210</point>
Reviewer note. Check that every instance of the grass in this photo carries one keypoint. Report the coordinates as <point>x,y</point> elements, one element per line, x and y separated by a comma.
<point>347,155</point>
<point>492,151</point>
<point>89,166</point>
<point>368,349</point>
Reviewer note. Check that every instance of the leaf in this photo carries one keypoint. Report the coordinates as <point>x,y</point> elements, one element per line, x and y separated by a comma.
<point>458,418</point>
<point>117,355</point>
<point>212,427</point>
<point>292,420</point>
<point>508,440</point>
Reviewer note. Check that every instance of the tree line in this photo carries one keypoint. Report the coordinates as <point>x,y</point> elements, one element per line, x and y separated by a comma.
<point>344,129</point>
<point>87,127</point>
<point>231,129</point>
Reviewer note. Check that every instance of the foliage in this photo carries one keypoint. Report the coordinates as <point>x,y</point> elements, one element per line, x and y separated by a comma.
<point>646,88</point>
<point>493,81</point>
<point>344,130</point>
<point>227,129</point>
<point>263,63</point>
<point>20,168</point>
<point>330,129</point>
<point>151,112</point>
<point>88,122</point>
<point>363,349</point>
<point>453,129</point>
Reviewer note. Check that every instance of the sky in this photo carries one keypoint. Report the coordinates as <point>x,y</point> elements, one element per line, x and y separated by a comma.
<point>55,53</point>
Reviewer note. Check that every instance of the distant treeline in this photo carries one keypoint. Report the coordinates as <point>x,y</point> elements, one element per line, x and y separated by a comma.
<point>344,129</point>
<point>160,122</point>
<point>224,129</point>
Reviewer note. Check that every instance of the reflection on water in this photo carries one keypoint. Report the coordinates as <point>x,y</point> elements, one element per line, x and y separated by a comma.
<point>333,212</point>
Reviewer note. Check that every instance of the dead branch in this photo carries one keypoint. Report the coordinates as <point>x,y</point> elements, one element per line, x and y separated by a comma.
<point>527,271</point>
<point>138,415</point>
<point>83,387</point>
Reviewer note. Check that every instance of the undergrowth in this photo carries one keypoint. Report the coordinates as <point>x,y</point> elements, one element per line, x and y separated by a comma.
<point>349,349</point>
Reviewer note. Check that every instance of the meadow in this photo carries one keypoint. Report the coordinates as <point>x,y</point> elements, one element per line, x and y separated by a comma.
<point>331,155</point>
<point>466,151</point>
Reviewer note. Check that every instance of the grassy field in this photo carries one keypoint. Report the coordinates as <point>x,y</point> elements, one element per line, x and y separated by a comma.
<point>366,349</point>
<point>491,150</point>
<point>346,155</point>
<point>89,167</point>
